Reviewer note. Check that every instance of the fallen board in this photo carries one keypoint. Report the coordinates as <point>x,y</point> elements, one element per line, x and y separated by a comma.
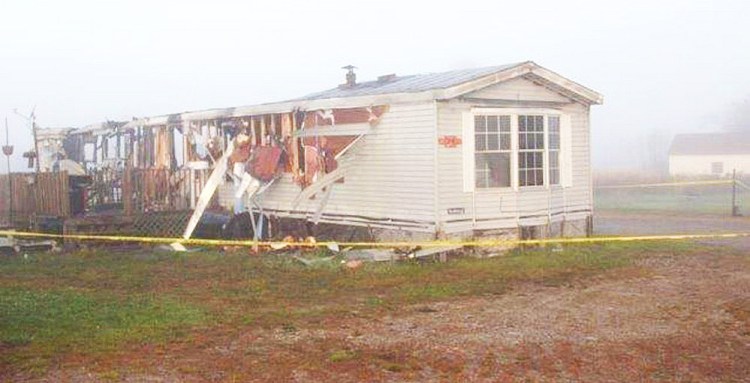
<point>216,177</point>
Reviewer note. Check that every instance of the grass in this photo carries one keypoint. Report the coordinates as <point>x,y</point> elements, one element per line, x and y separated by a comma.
<point>94,303</point>
<point>710,199</point>
<point>69,320</point>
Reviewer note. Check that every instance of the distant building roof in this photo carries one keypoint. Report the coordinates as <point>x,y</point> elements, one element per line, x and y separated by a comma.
<point>710,143</point>
<point>409,84</point>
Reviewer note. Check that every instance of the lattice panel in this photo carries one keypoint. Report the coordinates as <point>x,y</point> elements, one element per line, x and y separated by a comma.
<point>162,224</point>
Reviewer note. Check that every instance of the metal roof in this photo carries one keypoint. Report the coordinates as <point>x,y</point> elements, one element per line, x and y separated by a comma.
<point>408,84</point>
<point>711,143</point>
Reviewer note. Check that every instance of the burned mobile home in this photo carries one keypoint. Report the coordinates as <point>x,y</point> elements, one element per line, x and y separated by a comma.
<point>500,151</point>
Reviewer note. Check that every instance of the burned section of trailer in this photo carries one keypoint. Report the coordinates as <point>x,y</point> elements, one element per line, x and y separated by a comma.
<point>307,147</point>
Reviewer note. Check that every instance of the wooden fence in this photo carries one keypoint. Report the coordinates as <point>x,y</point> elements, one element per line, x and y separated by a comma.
<point>139,191</point>
<point>44,194</point>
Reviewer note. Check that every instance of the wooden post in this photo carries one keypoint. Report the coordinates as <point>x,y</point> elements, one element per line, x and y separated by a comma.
<point>8,151</point>
<point>735,208</point>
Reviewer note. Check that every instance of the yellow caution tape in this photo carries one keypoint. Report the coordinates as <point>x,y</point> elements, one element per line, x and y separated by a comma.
<point>423,244</point>
<point>685,183</point>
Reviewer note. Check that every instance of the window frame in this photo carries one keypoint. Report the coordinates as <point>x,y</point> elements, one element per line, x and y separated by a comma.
<point>514,113</point>
<point>557,150</point>
<point>509,151</point>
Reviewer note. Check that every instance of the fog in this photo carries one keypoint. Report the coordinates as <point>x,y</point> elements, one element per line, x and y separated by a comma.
<point>663,67</point>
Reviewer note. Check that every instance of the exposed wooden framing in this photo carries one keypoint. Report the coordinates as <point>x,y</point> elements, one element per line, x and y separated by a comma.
<point>253,133</point>
<point>287,140</point>
<point>263,131</point>
<point>294,143</point>
<point>275,128</point>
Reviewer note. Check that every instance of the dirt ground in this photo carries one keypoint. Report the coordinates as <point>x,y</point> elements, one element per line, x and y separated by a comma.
<point>668,317</point>
<point>673,320</point>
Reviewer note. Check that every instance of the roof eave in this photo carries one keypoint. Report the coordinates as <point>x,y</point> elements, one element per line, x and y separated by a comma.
<point>529,67</point>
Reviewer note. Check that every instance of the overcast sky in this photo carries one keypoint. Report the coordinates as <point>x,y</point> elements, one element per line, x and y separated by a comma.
<point>663,67</point>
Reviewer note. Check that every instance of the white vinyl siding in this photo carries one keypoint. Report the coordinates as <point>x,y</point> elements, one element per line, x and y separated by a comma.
<point>704,165</point>
<point>498,208</point>
<point>391,184</point>
<point>566,151</point>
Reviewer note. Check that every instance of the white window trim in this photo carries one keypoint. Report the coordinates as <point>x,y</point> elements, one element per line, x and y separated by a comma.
<point>564,165</point>
<point>559,151</point>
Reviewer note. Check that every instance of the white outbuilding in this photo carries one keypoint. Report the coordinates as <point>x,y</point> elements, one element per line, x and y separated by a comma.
<point>709,154</point>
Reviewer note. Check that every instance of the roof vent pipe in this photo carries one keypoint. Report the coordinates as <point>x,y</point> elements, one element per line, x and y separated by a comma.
<point>351,77</point>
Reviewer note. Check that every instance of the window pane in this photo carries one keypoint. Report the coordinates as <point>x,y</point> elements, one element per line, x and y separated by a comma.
<point>494,168</point>
<point>504,123</point>
<point>553,159</point>
<point>554,176</point>
<point>521,123</point>
<point>480,123</point>
<point>554,124</point>
<point>492,123</point>
<point>481,178</point>
<point>480,142</point>
<point>539,123</point>
<point>500,172</point>
<point>554,141</point>
<point>505,141</point>
<point>492,142</point>
<point>522,141</point>
<point>538,160</point>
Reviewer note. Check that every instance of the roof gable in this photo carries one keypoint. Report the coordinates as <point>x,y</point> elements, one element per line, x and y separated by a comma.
<point>517,89</point>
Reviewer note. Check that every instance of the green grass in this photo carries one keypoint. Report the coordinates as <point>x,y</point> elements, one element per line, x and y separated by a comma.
<point>710,199</point>
<point>63,320</point>
<point>92,303</point>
